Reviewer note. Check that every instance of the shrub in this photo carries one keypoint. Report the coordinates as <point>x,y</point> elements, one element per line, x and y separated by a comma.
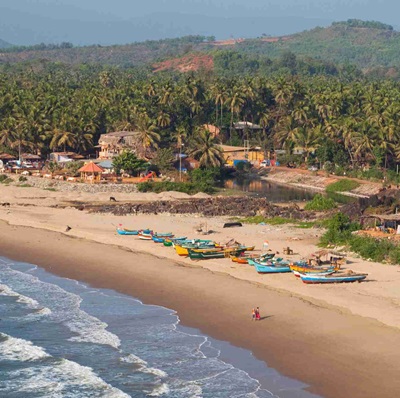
<point>4,179</point>
<point>185,187</point>
<point>339,229</point>
<point>344,185</point>
<point>370,248</point>
<point>320,203</point>
<point>22,179</point>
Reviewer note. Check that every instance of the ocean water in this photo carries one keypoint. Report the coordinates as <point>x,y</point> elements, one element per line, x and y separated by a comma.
<point>62,338</point>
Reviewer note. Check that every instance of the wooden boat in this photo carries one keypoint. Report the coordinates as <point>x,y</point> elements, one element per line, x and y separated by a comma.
<point>164,235</point>
<point>123,231</point>
<point>157,239</point>
<point>143,236</point>
<point>209,254</point>
<point>269,262</point>
<point>271,269</point>
<point>245,257</point>
<point>341,277</point>
<point>322,273</point>
<point>182,250</point>
<point>310,270</point>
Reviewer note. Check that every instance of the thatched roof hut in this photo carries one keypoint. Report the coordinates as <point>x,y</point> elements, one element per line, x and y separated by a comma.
<point>91,171</point>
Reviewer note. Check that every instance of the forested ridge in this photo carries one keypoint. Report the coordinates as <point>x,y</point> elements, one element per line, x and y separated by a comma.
<point>370,46</point>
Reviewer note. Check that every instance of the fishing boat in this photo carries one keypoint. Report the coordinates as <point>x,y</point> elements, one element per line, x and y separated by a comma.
<point>144,236</point>
<point>157,239</point>
<point>195,254</point>
<point>321,273</point>
<point>167,243</point>
<point>342,277</point>
<point>123,231</point>
<point>164,235</point>
<point>305,269</point>
<point>271,269</point>
<point>269,262</point>
<point>182,250</point>
<point>245,257</point>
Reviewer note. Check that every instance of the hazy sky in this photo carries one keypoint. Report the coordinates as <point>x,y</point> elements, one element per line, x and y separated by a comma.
<point>123,21</point>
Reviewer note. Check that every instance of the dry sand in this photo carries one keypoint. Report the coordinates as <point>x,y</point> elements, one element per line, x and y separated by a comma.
<point>343,340</point>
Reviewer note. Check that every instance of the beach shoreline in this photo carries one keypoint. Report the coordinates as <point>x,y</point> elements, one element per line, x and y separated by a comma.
<point>297,337</point>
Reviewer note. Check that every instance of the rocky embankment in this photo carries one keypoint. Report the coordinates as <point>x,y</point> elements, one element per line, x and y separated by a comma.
<point>67,186</point>
<point>209,207</point>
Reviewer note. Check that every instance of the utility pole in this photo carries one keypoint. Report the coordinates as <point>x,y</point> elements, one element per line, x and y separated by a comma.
<point>180,162</point>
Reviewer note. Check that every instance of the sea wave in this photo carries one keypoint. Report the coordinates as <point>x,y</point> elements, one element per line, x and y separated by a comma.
<point>142,366</point>
<point>65,379</point>
<point>14,349</point>
<point>7,291</point>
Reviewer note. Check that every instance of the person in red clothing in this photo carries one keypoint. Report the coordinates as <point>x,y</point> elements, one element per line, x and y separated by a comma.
<point>258,316</point>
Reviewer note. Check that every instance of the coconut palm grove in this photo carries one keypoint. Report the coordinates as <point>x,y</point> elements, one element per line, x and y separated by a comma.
<point>338,117</point>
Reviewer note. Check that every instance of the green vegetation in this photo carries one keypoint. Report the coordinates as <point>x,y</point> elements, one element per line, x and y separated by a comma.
<point>276,221</point>
<point>320,203</point>
<point>50,189</point>
<point>185,187</point>
<point>344,185</point>
<point>24,186</point>
<point>201,180</point>
<point>339,232</point>
<point>4,179</point>
<point>129,163</point>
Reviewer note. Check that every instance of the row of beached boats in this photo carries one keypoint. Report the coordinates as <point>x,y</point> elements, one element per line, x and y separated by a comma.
<point>267,263</point>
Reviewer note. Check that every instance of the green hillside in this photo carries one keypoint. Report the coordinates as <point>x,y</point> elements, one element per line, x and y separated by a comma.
<point>366,45</point>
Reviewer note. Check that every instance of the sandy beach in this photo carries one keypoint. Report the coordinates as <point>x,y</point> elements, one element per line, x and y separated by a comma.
<point>342,340</point>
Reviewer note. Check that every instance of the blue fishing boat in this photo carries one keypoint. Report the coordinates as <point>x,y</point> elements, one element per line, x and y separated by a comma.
<point>123,231</point>
<point>270,269</point>
<point>333,278</point>
<point>158,240</point>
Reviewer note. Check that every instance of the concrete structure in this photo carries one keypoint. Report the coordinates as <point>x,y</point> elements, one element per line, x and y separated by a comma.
<point>113,144</point>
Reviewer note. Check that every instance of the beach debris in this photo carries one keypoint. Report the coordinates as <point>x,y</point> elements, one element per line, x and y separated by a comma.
<point>112,199</point>
<point>232,224</point>
<point>6,204</point>
<point>68,228</point>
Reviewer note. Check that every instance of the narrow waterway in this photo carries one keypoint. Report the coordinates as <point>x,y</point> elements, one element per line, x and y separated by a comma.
<point>274,192</point>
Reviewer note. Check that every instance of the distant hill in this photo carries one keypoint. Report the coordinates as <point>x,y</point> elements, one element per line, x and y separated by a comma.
<point>364,44</point>
<point>4,44</point>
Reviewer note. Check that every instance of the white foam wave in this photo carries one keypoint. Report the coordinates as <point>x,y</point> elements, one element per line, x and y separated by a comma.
<point>159,390</point>
<point>7,291</point>
<point>63,306</point>
<point>91,330</point>
<point>14,349</point>
<point>143,366</point>
<point>64,380</point>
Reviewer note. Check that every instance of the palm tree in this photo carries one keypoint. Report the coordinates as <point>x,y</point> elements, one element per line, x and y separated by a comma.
<point>206,150</point>
<point>148,138</point>
<point>62,138</point>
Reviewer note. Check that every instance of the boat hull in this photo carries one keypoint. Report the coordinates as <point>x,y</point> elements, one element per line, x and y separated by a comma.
<point>127,232</point>
<point>265,269</point>
<point>322,273</point>
<point>332,278</point>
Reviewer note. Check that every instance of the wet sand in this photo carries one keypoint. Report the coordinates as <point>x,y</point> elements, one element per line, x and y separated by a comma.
<point>339,354</point>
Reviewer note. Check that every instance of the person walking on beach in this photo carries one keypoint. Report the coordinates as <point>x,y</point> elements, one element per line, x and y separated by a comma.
<point>253,314</point>
<point>258,316</point>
